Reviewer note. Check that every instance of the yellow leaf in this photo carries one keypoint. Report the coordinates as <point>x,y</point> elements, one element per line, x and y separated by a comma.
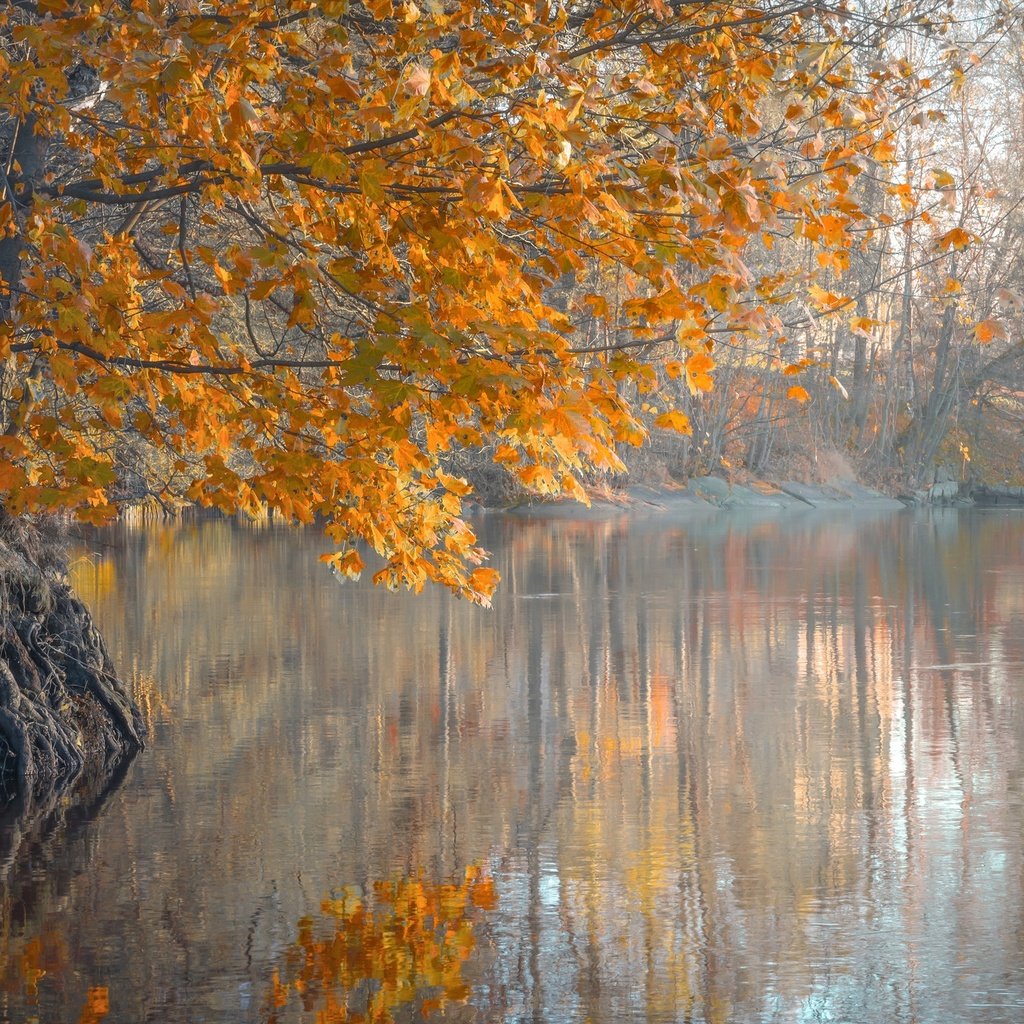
<point>718,148</point>
<point>245,109</point>
<point>674,420</point>
<point>482,584</point>
<point>506,455</point>
<point>345,563</point>
<point>718,291</point>
<point>261,289</point>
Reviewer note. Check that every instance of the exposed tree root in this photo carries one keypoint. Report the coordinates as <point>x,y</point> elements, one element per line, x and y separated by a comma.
<point>63,711</point>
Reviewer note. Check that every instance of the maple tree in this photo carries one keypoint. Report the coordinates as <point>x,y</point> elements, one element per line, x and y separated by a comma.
<point>297,253</point>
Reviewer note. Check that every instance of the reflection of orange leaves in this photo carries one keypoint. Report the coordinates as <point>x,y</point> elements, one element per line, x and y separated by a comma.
<point>409,939</point>
<point>31,966</point>
<point>484,895</point>
<point>41,956</point>
<point>279,992</point>
<point>457,991</point>
<point>97,1005</point>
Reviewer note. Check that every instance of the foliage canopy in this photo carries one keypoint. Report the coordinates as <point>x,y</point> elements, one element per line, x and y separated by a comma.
<point>301,252</point>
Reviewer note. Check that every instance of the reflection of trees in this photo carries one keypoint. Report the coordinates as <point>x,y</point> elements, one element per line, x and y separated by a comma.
<point>42,850</point>
<point>712,766</point>
<point>751,708</point>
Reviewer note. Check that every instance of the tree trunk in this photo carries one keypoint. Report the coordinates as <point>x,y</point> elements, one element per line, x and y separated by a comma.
<point>63,711</point>
<point>924,434</point>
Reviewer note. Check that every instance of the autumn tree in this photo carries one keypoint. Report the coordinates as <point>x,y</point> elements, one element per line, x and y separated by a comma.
<point>302,250</point>
<point>292,255</point>
<point>961,307</point>
<point>922,363</point>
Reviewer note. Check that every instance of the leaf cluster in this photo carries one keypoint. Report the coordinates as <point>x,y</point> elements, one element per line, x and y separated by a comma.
<point>301,252</point>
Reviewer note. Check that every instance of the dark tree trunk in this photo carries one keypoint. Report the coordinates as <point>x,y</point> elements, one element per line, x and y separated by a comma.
<point>63,711</point>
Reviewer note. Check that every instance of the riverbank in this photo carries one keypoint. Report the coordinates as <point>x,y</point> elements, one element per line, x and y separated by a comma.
<point>65,714</point>
<point>708,494</point>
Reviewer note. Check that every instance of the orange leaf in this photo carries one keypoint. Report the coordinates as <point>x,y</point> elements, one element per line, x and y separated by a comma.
<point>11,477</point>
<point>674,420</point>
<point>698,372</point>
<point>863,325</point>
<point>958,238</point>
<point>798,394</point>
<point>987,330</point>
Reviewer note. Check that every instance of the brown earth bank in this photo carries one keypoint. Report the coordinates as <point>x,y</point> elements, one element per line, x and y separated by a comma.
<point>66,718</point>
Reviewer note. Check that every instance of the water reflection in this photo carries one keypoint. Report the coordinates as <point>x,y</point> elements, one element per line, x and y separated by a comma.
<point>721,771</point>
<point>387,955</point>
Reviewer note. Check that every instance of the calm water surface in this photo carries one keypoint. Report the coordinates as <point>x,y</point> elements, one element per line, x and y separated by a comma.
<point>709,771</point>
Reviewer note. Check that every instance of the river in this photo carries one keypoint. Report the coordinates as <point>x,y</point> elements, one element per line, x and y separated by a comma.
<point>723,770</point>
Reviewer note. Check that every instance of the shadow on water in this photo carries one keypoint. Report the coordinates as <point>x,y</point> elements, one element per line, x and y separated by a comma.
<point>44,844</point>
<point>756,770</point>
